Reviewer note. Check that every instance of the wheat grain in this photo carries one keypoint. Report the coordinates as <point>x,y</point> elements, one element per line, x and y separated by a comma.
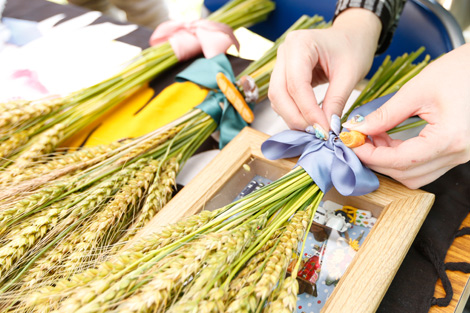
<point>82,155</point>
<point>13,104</point>
<point>44,143</point>
<point>28,111</point>
<point>217,263</point>
<point>15,141</point>
<point>50,296</point>
<point>27,234</point>
<point>92,234</point>
<point>22,207</point>
<point>206,253</point>
<point>46,266</point>
<point>159,194</point>
<point>286,301</point>
<point>279,260</point>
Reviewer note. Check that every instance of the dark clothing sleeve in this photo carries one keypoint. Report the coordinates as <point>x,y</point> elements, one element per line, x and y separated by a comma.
<point>388,12</point>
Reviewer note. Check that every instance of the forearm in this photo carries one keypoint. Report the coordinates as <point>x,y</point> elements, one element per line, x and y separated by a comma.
<point>388,11</point>
<point>363,29</point>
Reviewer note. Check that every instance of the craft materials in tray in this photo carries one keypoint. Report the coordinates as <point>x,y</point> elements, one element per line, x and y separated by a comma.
<point>335,236</point>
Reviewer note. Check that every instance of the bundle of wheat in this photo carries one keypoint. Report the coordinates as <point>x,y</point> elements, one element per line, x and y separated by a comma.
<point>85,210</point>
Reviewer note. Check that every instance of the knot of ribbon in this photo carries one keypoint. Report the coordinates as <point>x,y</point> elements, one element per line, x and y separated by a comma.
<point>328,162</point>
<point>203,72</point>
<point>189,39</point>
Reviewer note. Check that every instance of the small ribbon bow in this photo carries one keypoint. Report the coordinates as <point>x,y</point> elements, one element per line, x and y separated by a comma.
<point>189,39</point>
<point>203,72</point>
<point>328,162</point>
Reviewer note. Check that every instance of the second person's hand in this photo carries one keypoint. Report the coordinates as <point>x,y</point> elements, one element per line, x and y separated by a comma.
<point>440,94</point>
<point>341,55</point>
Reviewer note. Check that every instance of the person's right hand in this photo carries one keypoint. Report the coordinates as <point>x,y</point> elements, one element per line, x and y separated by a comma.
<point>341,55</point>
<point>440,95</point>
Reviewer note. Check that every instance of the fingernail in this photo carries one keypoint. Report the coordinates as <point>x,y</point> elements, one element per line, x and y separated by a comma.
<point>318,131</point>
<point>354,121</point>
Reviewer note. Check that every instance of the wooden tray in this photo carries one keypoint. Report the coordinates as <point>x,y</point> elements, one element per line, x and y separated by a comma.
<point>400,212</point>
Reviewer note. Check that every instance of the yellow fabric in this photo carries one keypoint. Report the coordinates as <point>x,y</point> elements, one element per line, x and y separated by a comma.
<point>137,116</point>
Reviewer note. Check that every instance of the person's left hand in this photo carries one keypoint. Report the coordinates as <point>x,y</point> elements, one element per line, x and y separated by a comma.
<point>440,94</point>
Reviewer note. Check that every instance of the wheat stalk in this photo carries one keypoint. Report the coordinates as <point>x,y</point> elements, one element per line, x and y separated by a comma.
<point>159,194</point>
<point>279,260</point>
<point>25,235</point>
<point>286,301</point>
<point>47,265</point>
<point>20,112</point>
<point>15,141</point>
<point>50,296</point>
<point>239,239</point>
<point>92,234</point>
<point>23,207</point>
<point>62,161</point>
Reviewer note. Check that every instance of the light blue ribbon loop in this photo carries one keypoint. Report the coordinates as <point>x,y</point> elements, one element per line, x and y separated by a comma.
<point>203,72</point>
<point>329,163</point>
<point>371,106</point>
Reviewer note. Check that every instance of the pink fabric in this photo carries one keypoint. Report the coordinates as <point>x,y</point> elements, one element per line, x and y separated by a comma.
<point>32,80</point>
<point>188,39</point>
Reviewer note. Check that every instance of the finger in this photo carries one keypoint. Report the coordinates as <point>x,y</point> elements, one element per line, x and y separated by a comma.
<point>393,112</point>
<point>281,102</point>
<point>426,179</point>
<point>418,181</point>
<point>403,155</point>
<point>385,140</point>
<point>418,170</point>
<point>299,68</point>
<point>339,90</point>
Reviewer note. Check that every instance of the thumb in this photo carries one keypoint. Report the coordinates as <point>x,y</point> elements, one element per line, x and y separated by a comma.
<point>390,114</point>
<point>337,95</point>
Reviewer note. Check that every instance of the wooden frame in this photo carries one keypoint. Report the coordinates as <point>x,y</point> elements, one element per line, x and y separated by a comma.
<point>400,213</point>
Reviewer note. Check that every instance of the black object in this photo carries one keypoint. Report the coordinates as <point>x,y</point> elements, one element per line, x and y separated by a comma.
<point>412,289</point>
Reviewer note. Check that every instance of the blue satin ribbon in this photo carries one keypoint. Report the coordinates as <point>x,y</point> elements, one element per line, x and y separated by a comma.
<point>329,163</point>
<point>203,72</point>
<point>371,106</point>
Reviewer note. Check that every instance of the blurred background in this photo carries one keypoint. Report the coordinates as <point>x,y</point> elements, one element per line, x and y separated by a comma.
<point>192,9</point>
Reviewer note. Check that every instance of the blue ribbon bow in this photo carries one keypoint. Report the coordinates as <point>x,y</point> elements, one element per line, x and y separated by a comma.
<point>329,163</point>
<point>203,72</point>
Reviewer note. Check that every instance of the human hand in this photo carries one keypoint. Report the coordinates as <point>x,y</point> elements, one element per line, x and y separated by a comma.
<point>440,94</point>
<point>341,55</point>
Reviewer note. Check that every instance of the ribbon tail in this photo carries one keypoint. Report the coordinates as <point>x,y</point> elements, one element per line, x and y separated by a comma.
<point>231,123</point>
<point>286,144</point>
<point>349,176</point>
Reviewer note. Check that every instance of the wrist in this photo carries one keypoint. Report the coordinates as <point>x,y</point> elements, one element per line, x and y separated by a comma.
<point>361,26</point>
